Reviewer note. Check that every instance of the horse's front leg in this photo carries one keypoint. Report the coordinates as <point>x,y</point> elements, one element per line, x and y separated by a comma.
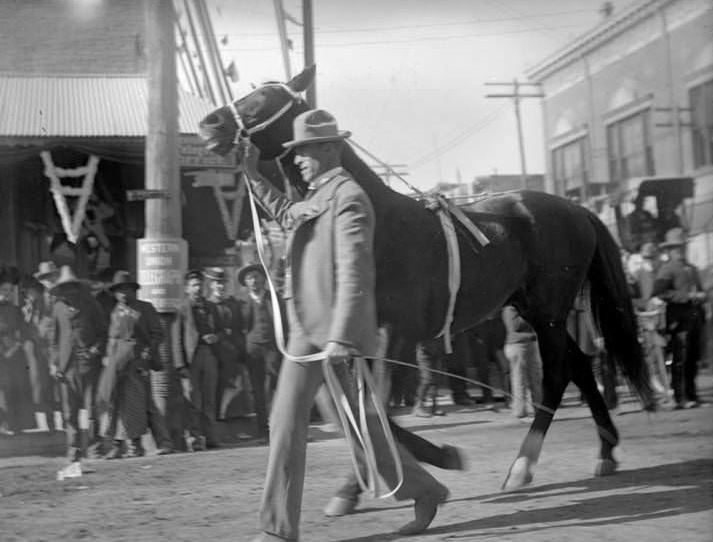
<point>583,377</point>
<point>552,342</point>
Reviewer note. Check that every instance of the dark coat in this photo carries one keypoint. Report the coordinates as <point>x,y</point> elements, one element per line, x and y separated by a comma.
<point>83,325</point>
<point>231,341</point>
<point>184,336</point>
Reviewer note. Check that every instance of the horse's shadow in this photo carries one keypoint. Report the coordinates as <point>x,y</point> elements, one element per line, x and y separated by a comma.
<point>654,492</point>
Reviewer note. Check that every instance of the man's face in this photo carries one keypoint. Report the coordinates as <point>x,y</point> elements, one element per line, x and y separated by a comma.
<point>32,294</point>
<point>677,254</point>
<point>254,281</point>
<point>124,294</point>
<point>314,159</point>
<point>194,288</point>
<point>217,289</point>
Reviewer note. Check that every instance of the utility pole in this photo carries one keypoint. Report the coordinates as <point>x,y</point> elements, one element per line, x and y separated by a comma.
<point>284,42</point>
<point>162,254</point>
<point>387,171</point>
<point>308,30</point>
<point>517,95</point>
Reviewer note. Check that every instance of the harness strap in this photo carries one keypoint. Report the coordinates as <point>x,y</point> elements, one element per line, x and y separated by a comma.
<point>454,277</point>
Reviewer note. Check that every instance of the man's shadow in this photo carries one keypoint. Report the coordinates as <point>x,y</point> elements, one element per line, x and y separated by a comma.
<point>654,492</point>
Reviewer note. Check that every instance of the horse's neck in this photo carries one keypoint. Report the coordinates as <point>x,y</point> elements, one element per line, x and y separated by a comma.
<point>370,182</point>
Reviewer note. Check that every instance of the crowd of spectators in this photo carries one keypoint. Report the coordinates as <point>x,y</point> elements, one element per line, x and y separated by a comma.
<point>91,359</point>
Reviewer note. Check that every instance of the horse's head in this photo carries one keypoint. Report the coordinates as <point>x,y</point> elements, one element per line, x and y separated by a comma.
<point>264,115</point>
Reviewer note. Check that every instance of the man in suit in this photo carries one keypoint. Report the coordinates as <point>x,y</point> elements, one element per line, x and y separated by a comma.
<point>78,341</point>
<point>195,338</point>
<point>262,355</point>
<point>329,291</point>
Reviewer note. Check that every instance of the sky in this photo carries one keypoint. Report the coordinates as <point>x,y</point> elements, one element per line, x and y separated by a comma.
<point>408,77</point>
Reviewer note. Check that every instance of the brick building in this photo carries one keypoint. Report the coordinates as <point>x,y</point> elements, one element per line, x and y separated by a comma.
<point>632,99</point>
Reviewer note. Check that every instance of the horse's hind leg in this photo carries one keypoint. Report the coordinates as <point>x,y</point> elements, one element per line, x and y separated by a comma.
<point>583,377</point>
<point>552,342</point>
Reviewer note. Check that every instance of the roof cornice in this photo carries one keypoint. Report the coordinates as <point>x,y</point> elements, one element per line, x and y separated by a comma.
<point>603,32</point>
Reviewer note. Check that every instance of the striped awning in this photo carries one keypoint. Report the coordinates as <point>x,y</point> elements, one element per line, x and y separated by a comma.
<point>85,106</point>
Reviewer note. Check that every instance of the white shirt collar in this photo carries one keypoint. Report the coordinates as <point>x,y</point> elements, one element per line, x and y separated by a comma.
<point>324,178</point>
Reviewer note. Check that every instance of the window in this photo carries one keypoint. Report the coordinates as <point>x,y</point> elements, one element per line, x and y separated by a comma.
<point>569,167</point>
<point>629,147</point>
<point>701,99</point>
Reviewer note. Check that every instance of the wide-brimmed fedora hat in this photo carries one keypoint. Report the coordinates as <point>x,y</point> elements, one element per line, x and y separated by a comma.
<point>247,269</point>
<point>66,278</point>
<point>315,126</point>
<point>123,278</point>
<point>215,273</point>
<point>675,237</point>
<point>46,269</point>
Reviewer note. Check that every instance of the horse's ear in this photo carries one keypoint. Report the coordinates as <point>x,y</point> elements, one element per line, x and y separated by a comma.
<point>302,80</point>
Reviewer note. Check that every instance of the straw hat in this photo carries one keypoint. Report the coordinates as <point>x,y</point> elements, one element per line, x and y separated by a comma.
<point>675,237</point>
<point>46,269</point>
<point>66,277</point>
<point>315,126</point>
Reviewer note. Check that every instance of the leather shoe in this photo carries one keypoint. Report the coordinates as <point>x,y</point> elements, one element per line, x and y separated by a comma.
<point>340,506</point>
<point>115,453</point>
<point>164,450</point>
<point>425,508</point>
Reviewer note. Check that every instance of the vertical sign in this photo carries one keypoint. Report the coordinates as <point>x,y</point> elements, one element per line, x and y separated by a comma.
<point>161,265</point>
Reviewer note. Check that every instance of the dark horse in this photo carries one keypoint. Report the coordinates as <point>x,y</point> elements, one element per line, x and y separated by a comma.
<point>542,251</point>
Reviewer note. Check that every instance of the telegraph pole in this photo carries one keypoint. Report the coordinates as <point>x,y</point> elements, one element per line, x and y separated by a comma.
<point>284,42</point>
<point>162,254</point>
<point>308,29</point>
<point>517,95</point>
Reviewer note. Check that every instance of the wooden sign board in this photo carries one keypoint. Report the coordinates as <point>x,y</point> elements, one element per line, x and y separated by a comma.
<point>141,195</point>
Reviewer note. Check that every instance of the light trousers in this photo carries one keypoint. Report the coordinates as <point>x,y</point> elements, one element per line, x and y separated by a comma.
<point>289,423</point>
<point>525,375</point>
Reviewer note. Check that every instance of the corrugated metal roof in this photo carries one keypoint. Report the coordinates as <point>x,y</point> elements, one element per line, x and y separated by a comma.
<point>84,106</point>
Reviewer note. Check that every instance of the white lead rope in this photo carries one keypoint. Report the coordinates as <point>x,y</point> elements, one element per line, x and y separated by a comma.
<point>365,385</point>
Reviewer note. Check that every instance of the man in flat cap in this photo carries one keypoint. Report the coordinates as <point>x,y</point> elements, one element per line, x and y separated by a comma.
<point>262,355</point>
<point>230,347</point>
<point>331,307</point>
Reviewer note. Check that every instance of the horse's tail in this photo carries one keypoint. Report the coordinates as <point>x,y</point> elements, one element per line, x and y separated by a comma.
<point>614,314</point>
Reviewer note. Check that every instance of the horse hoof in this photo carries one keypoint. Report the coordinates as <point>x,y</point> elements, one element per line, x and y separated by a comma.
<point>605,467</point>
<point>519,476</point>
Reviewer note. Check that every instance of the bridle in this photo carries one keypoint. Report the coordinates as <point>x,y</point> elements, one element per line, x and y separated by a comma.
<point>243,132</point>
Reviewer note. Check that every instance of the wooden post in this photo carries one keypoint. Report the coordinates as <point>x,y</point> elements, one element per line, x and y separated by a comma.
<point>308,25</point>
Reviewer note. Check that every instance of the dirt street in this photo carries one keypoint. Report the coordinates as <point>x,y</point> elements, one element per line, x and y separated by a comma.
<point>663,492</point>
